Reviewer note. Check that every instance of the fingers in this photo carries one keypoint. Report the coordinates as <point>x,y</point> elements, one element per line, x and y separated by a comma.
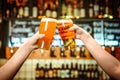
<point>38,36</point>
<point>74,28</point>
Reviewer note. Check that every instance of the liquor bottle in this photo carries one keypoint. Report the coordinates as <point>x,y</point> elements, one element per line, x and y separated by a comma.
<point>54,11</point>
<point>35,9</point>
<point>62,52</point>
<point>96,9</point>
<point>71,71</point>
<point>67,71</point>
<point>84,71</point>
<point>96,72</point>
<point>62,75</point>
<point>77,52</point>
<point>82,52</point>
<point>101,10</point>
<point>90,9</point>
<point>50,71</point>
<point>52,51</point>
<point>37,72</point>
<point>76,71</point>
<point>92,71</point>
<point>20,12</point>
<point>8,11</point>
<point>48,11</point>
<point>69,11</point>
<point>14,10</point>
<point>41,72</point>
<point>108,9</point>
<point>46,71</point>
<point>40,8</point>
<point>72,53</point>
<point>75,10</point>
<point>64,10</point>
<point>26,11</point>
<point>113,50</point>
<point>88,74</point>
<point>82,9</point>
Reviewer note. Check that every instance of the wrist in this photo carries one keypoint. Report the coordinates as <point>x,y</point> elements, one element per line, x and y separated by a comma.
<point>85,38</point>
<point>27,46</point>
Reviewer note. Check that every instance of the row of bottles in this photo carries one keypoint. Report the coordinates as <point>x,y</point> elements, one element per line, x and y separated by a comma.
<point>90,9</point>
<point>62,8</point>
<point>69,71</point>
<point>82,52</point>
<point>31,9</point>
<point>78,53</point>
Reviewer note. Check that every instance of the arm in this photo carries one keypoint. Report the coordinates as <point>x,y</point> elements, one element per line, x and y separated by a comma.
<point>109,63</point>
<point>8,71</point>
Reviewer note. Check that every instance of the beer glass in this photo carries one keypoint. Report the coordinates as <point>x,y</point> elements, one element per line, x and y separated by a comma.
<point>67,36</point>
<point>47,27</point>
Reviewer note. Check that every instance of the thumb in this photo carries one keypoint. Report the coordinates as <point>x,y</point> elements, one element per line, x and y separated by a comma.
<point>73,28</point>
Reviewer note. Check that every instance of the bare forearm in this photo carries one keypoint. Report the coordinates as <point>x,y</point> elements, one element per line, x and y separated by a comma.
<point>109,63</point>
<point>8,71</point>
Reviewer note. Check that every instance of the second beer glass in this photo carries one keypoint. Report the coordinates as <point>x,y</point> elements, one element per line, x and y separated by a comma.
<point>67,36</point>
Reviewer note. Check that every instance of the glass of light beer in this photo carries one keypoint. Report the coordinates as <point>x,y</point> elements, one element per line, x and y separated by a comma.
<point>47,27</point>
<point>67,36</point>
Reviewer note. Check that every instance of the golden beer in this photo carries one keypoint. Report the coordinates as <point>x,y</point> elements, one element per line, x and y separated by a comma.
<point>67,36</point>
<point>47,27</point>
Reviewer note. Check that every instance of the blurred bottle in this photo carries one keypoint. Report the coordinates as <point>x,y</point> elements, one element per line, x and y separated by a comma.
<point>96,72</point>
<point>76,73</point>
<point>82,11</point>
<point>101,10</point>
<point>14,9</point>
<point>46,71</point>
<point>69,10</point>
<point>50,71</point>
<point>108,9</point>
<point>20,4</point>
<point>80,71</point>
<point>8,10</point>
<point>72,53</point>
<point>48,11</point>
<point>20,12</point>
<point>54,10</point>
<point>77,52</point>
<point>75,10</point>
<point>26,13</point>
<point>63,10</point>
<point>113,50</point>
<point>37,71</point>
<point>41,72</point>
<point>90,9</point>
<point>96,8</point>
<point>35,9</point>
<point>52,51</point>
<point>40,5</point>
<point>82,52</point>
<point>62,52</point>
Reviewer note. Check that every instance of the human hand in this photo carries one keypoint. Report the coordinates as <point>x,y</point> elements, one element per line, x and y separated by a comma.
<point>32,41</point>
<point>80,33</point>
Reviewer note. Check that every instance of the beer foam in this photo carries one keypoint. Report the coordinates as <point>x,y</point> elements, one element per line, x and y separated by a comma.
<point>64,21</point>
<point>49,19</point>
